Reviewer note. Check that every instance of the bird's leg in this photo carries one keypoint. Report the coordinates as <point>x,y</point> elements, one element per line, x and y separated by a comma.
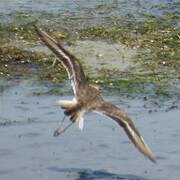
<point>62,121</point>
<point>70,110</point>
<point>61,130</point>
<point>73,118</point>
<point>60,127</point>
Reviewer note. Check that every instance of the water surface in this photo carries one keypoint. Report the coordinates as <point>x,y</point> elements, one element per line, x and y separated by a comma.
<point>101,151</point>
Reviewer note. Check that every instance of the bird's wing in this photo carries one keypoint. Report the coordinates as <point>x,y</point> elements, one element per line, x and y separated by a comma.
<point>127,124</point>
<point>71,64</point>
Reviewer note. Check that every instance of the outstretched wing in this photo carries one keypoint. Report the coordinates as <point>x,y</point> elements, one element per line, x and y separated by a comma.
<point>127,124</point>
<point>71,64</point>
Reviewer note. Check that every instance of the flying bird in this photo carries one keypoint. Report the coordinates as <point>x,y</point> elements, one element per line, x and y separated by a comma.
<point>87,97</point>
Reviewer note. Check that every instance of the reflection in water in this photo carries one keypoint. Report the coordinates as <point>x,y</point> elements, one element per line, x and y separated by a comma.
<point>88,174</point>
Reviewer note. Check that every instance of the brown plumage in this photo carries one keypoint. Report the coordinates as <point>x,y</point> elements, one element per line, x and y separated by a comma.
<point>88,98</point>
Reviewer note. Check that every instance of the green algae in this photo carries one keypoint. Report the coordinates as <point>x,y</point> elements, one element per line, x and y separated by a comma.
<point>55,74</point>
<point>113,34</point>
<point>17,61</point>
<point>161,54</point>
<point>156,40</point>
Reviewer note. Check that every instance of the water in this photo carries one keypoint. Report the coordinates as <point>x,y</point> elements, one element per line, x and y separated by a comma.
<point>101,151</point>
<point>108,8</point>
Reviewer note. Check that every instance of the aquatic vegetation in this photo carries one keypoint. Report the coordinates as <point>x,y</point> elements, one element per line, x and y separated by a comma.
<point>156,40</point>
<point>17,61</point>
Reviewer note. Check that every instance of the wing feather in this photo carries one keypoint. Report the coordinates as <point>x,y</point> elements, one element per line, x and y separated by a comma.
<point>71,64</point>
<point>127,124</point>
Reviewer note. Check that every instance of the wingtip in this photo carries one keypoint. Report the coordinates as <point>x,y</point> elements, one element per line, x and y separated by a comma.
<point>150,155</point>
<point>153,159</point>
<point>147,151</point>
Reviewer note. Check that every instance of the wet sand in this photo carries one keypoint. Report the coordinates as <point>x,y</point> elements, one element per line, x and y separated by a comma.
<point>101,151</point>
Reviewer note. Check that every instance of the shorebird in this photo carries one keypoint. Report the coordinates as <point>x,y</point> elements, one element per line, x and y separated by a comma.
<point>87,97</point>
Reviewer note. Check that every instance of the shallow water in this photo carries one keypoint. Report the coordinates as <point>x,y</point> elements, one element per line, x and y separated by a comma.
<point>9,8</point>
<point>101,151</point>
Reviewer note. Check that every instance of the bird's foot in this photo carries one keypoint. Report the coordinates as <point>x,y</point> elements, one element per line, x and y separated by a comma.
<point>58,131</point>
<point>61,130</point>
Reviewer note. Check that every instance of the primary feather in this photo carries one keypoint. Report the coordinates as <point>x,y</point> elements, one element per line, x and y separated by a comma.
<point>71,64</point>
<point>127,124</point>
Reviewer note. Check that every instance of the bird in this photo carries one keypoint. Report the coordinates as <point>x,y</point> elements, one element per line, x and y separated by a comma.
<point>87,96</point>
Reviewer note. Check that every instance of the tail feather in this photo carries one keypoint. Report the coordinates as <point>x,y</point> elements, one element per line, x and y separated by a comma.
<point>81,123</point>
<point>80,119</point>
<point>77,117</point>
<point>73,110</point>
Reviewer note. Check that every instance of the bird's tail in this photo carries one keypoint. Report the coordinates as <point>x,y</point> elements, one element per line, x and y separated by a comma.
<point>76,115</point>
<point>74,111</point>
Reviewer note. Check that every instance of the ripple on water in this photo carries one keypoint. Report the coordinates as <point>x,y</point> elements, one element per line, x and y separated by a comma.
<point>125,142</point>
<point>51,113</point>
<point>175,134</point>
<point>174,167</point>
<point>173,152</point>
<point>161,158</point>
<point>88,174</point>
<point>5,152</point>
<point>29,135</point>
<point>103,145</point>
<point>5,171</point>
<point>22,108</point>
<point>8,122</point>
